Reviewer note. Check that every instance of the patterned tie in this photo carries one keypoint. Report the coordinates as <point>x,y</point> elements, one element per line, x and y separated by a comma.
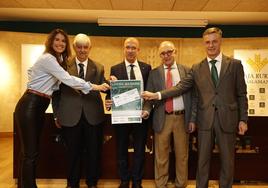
<point>169,101</point>
<point>214,72</point>
<point>132,74</point>
<point>81,70</point>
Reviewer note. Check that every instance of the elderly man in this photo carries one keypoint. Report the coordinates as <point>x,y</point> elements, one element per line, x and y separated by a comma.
<point>170,118</point>
<point>81,116</point>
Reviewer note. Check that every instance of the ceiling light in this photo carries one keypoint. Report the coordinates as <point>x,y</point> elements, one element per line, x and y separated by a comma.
<point>152,22</point>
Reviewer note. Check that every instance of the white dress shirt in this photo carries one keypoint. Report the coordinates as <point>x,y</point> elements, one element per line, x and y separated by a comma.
<point>177,101</point>
<point>84,63</point>
<point>217,64</point>
<point>137,71</point>
<point>46,74</point>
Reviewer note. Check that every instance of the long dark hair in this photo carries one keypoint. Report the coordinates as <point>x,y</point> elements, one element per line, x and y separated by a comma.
<point>49,49</point>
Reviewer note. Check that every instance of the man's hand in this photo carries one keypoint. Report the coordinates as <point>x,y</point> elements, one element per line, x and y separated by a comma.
<point>102,87</point>
<point>57,123</point>
<point>108,104</point>
<point>144,114</point>
<point>242,128</point>
<point>149,95</point>
<point>191,127</point>
<point>113,78</point>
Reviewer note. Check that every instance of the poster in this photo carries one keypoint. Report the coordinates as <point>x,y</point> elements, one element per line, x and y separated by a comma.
<point>127,102</point>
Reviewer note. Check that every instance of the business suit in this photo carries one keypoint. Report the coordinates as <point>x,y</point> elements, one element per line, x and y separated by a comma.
<point>81,117</point>
<point>179,128</point>
<point>138,132</point>
<point>216,111</point>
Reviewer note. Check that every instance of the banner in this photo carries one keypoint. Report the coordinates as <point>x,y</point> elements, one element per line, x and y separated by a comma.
<point>255,63</point>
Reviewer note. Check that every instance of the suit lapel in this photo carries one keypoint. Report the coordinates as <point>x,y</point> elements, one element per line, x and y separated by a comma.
<point>205,69</point>
<point>224,65</point>
<point>162,77</point>
<point>72,68</point>
<point>123,71</point>
<point>181,71</point>
<point>91,71</point>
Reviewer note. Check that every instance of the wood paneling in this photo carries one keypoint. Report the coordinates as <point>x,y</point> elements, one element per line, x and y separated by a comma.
<point>158,5</point>
<point>186,5</point>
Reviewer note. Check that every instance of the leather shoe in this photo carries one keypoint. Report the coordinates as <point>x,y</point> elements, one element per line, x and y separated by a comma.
<point>136,185</point>
<point>92,186</point>
<point>124,184</point>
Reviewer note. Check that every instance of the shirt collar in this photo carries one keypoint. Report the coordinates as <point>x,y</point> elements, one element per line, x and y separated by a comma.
<point>84,62</point>
<point>218,58</point>
<point>128,63</point>
<point>174,66</point>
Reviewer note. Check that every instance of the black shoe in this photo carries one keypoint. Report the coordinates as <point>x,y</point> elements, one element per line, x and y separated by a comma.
<point>136,185</point>
<point>124,184</point>
<point>92,186</point>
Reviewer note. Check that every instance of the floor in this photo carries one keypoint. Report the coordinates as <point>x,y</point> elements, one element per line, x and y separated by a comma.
<point>7,181</point>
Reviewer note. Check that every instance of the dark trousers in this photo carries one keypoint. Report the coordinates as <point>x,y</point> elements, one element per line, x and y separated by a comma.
<point>138,134</point>
<point>83,139</point>
<point>226,143</point>
<point>29,116</point>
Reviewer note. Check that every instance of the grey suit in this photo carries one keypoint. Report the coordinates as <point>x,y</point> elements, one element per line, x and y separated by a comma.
<point>167,125</point>
<point>81,118</point>
<point>216,111</point>
<point>156,82</point>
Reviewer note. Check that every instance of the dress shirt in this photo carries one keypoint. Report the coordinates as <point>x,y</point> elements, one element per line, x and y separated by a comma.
<point>84,63</point>
<point>137,71</point>
<point>217,64</point>
<point>46,74</point>
<point>177,101</point>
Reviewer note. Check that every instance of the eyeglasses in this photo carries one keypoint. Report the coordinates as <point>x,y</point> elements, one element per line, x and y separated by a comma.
<point>168,53</point>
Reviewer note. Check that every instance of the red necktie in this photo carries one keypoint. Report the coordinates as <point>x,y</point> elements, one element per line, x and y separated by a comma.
<point>169,101</point>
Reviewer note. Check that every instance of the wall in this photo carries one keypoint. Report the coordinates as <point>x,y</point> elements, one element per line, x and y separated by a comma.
<point>106,50</point>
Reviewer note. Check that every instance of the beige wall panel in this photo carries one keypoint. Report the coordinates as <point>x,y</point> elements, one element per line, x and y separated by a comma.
<point>126,5</point>
<point>220,5</point>
<point>105,50</point>
<point>34,3</point>
<point>62,4</point>
<point>251,6</point>
<point>96,4</point>
<point>158,5</point>
<point>10,4</point>
<point>186,5</point>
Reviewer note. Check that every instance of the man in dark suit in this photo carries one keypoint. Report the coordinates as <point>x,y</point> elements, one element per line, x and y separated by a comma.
<point>220,106</point>
<point>122,71</point>
<point>170,118</point>
<point>81,116</point>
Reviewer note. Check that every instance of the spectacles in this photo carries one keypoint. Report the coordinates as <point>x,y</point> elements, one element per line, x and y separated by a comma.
<point>168,53</point>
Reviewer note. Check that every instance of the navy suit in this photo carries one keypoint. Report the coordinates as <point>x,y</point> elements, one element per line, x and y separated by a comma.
<point>137,131</point>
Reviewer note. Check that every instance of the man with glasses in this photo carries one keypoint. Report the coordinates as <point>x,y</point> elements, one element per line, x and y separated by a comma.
<point>170,118</point>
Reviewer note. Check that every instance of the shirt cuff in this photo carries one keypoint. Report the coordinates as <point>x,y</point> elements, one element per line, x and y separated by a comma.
<point>159,95</point>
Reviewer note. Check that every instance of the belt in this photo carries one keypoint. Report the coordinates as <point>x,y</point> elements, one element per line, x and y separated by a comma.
<point>179,112</point>
<point>38,93</point>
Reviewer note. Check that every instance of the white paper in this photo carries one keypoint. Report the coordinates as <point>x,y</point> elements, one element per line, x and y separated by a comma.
<point>126,97</point>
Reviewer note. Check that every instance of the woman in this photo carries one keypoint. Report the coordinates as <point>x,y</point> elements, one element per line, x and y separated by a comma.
<point>44,77</point>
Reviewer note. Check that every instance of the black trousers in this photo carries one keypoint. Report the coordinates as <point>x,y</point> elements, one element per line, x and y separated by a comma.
<point>137,134</point>
<point>29,117</point>
<point>83,140</point>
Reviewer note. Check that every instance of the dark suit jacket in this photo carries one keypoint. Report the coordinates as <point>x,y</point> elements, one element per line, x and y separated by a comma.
<point>120,71</point>
<point>156,82</point>
<point>69,103</point>
<point>229,97</point>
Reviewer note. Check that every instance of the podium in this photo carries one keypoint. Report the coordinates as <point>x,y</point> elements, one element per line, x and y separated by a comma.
<point>251,164</point>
